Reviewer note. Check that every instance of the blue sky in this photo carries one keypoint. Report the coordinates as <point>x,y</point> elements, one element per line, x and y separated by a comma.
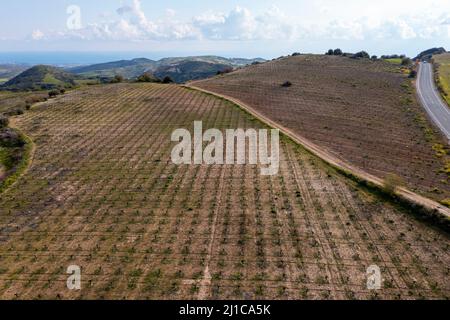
<point>232,28</point>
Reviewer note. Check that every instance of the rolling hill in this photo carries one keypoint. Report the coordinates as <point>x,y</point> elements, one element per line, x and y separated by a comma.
<point>180,68</point>
<point>126,68</point>
<point>190,70</point>
<point>362,111</point>
<point>41,77</point>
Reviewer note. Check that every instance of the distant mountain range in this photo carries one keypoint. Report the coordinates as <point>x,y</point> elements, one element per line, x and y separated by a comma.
<point>180,69</point>
<point>126,68</point>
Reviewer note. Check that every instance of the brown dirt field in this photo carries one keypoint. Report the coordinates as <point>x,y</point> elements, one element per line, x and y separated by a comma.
<point>360,111</point>
<point>103,194</point>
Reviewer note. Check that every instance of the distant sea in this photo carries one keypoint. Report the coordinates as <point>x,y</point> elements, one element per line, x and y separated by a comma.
<point>73,58</point>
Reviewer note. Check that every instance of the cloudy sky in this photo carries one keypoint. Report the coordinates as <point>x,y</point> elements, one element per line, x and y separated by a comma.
<point>231,27</point>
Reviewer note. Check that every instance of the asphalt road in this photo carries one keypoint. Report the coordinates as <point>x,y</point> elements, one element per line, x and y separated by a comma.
<point>431,99</point>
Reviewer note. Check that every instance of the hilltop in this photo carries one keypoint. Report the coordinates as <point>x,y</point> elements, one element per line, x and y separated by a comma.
<point>41,77</point>
<point>428,54</point>
<point>359,110</point>
<point>180,68</point>
<point>126,68</point>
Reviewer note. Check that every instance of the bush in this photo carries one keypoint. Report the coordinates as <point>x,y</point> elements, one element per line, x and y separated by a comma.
<point>391,183</point>
<point>374,58</point>
<point>35,99</point>
<point>10,139</point>
<point>361,55</point>
<point>167,80</point>
<point>225,71</point>
<point>406,61</point>
<point>413,74</point>
<point>53,93</point>
<point>146,78</point>
<point>287,84</point>
<point>335,52</point>
<point>4,121</point>
<point>117,79</point>
<point>295,54</point>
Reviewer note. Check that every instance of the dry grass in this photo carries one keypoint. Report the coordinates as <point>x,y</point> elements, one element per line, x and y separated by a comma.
<point>443,61</point>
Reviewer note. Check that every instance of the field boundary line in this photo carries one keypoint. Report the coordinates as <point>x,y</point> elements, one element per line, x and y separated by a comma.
<point>344,167</point>
<point>205,283</point>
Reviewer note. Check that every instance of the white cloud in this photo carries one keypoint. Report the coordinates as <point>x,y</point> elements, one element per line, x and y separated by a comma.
<point>37,35</point>
<point>240,23</point>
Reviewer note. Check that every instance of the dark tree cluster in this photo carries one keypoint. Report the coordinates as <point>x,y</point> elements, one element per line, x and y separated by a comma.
<point>225,71</point>
<point>361,55</point>
<point>393,56</point>
<point>335,52</point>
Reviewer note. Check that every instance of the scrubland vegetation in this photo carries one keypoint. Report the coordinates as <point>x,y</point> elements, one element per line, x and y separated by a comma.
<point>442,62</point>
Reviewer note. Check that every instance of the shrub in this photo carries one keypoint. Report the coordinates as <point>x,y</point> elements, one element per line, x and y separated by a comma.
<point>335,52</point>
<point>391,183</point>
<point>117,79</point>
<point>406,61</point>
<point>374,58</point>
<point>413,74</point>
<point>10,139</point>
<point>225,71</point>
<point>361,55</point>
<point>167,80</point>
<point>4,121</point>
<point>53,93</point>
<point>295,54</point>
<point>287,84</point>
<point>35,99</point>
<point>146,78</point>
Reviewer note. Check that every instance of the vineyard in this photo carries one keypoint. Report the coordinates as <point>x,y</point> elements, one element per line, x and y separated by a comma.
<point>360,111</point>
<point>102,193</point>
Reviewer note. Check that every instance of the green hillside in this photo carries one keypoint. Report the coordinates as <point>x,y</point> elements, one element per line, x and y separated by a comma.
<point>190,70</point>
<point>41,77</point>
